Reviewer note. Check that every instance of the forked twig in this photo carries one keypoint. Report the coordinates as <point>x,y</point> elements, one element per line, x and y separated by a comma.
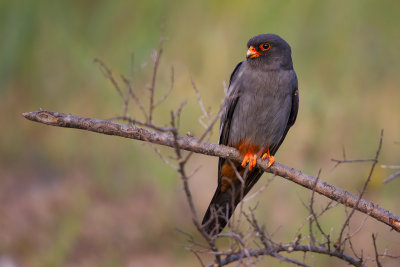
<point>188,193</point>
<point>375,161</point>
<point>108,74</point>
<point>135,97</point>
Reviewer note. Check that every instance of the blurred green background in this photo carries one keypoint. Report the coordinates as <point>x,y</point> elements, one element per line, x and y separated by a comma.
<point>75,198</point>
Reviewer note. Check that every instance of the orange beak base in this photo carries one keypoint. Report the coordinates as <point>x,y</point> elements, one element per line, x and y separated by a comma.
<point>252,53</point>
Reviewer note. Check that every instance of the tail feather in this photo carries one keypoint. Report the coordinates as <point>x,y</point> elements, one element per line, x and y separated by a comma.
<point>223,204</point>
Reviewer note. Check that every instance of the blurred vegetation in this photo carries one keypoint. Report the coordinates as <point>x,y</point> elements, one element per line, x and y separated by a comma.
<point>73,198</point>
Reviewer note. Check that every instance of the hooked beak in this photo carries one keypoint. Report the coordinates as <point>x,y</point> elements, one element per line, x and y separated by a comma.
<point>252,53</point>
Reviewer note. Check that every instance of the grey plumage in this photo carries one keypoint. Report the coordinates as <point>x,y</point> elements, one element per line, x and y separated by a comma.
<point>262,105</point>
<point>262,111</point>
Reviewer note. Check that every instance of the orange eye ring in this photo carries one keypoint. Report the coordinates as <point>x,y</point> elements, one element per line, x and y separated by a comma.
<point>265,46</point>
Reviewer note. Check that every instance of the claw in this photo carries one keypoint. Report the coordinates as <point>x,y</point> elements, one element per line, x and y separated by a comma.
<point>253,162</point>
<point>271,161</point>
<point>247,159</point>
<point>270,158</point>
<point>251,159</point>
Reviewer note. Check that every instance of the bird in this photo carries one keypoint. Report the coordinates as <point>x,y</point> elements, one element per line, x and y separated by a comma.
<point>260,107</point>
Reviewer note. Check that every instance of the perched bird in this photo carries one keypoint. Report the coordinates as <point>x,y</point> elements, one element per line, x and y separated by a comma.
<point>260,107</point>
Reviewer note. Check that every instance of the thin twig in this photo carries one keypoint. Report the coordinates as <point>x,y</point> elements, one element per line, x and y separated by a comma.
<point>352,160</point>
<point>156,59</point>
<point>108,74</point>
<point>198,257</point>
<point>259,191</point>
<point>134,96</point>
<point>311,208</point>
<point>233,195</point>
<point>292,248</point>
<point>165,96</point>
<point>208,129</point>
<point>205,113</point>
<point>178,112</point>
<point>375,161</point>
<point>391,177</point>
<point>160,155</point>
<point>376,251</point>
<point>189,198</point>
<point>269,249</point>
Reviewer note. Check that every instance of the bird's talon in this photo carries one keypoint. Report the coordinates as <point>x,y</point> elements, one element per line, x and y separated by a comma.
<point>253,162</point>
<point>250,159</point>
<point>246,159</point>
<point>270,158</point>
<point>271,161</point>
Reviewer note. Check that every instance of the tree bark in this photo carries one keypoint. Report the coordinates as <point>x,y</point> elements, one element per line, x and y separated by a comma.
<point>211,149</point>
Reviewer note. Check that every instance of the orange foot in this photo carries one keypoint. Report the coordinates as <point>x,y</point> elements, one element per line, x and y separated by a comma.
<point>270,158</point>
<point>251,159</point>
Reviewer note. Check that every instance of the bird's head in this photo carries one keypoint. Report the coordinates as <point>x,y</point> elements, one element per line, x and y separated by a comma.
<point>269,49</point>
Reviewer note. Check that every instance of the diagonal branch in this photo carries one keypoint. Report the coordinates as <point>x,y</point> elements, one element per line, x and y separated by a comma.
<point>194,145</point>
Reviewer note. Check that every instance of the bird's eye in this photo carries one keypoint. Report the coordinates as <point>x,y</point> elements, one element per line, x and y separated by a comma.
<point>265,46</point>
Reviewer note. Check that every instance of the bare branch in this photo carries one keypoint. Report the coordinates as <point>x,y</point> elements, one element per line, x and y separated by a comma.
<point>177,113</point>
<point>391,177</point>
<point>205,113</point>
<point>158,152</point>
<point>262,188</point>
<point>208,128</point>
<point>375,161</point>
<point>156,59</point>
<point>134,96</point>
<point>108,74</point>
<point>352,160</point>
<point>188,193</point>
<point>169,90</point>
<point>292,248</point>
<point>376,251</point>
<point>315,217</point>
<point>192,144</point>
<point>389,255</point>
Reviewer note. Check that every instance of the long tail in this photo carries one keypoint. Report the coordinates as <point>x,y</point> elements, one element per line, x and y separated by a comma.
<point>223,204</point>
